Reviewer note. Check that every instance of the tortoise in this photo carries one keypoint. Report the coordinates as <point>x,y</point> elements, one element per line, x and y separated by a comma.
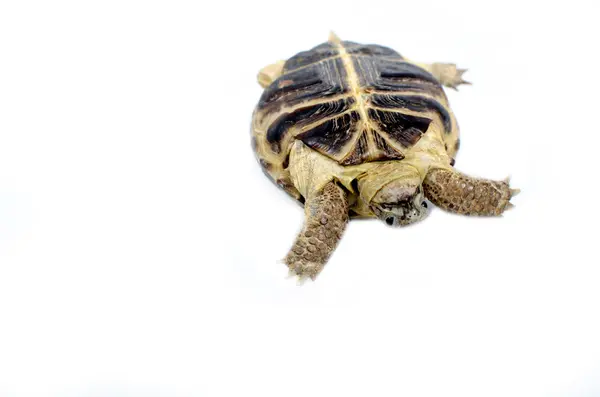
<point>359,131</point>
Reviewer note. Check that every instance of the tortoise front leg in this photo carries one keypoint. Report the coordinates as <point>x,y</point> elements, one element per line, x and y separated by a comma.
<point>326,216</point>
<point>462,194</point>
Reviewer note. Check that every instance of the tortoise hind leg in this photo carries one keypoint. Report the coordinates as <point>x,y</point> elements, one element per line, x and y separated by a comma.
<point>326,216</point>
<point>270,73</point>
<point>446,73</point>
<point>462,194</point>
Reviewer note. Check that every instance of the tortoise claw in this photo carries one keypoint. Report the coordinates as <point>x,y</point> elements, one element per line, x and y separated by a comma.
<point>291,274</point>
<point>301,278</point>
<point>459,80</point>
<point>449,75</point>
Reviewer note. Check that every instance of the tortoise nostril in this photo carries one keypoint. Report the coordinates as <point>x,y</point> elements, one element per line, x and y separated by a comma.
<point>389,220</point>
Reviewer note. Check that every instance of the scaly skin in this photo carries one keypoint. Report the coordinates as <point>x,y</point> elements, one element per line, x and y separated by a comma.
<point>462,194</point>
<point>447,73</point>
<point>326,216</point>
<point>270,73</point>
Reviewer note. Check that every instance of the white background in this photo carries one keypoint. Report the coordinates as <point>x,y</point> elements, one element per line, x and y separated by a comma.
<point>139,238</point>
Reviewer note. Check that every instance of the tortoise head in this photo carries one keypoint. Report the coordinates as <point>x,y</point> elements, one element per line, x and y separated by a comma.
<point>400,203</point>
<point>393,193</point>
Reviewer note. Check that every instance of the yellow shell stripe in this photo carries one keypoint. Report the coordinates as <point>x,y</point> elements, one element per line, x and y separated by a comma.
<point>356,90</point>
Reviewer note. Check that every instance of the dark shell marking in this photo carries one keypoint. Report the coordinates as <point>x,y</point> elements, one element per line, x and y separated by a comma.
<point>377,74</point>
<point>304,58</point>
<point>331,135</point>
<point>370,49</point>
<point>315,100</point>
<point>304,84</point>
<point>413,102</point>
<point>304,116</point>
<point>403,128</point>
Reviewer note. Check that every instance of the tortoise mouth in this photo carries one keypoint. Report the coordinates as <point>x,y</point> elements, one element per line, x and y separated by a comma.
<point>401,216</point>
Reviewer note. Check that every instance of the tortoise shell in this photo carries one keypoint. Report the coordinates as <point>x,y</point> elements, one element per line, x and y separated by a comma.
<point>351,102</point>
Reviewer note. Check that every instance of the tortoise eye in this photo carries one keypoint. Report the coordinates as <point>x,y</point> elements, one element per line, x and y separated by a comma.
<point>389,221</point>
<point>424,204</point>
